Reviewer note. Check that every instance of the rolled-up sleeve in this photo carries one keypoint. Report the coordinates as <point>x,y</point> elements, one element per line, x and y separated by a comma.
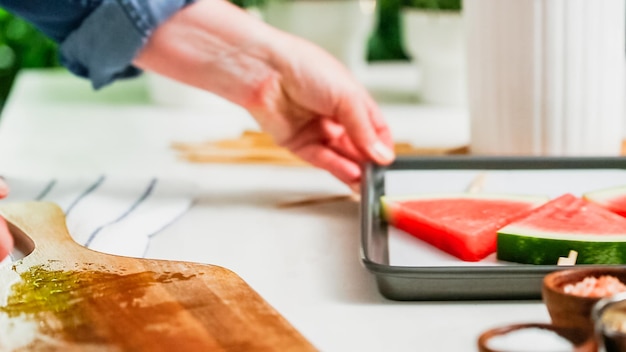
<point>103,46</point>
<point>98,39</point>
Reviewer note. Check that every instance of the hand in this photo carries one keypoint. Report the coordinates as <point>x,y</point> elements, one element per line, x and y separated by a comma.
<point>297,92</point>
<point>312,105</point>
<point>6,239</point>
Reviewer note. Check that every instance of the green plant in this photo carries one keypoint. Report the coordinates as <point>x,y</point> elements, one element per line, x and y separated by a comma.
<point>28,46</point>
<point>385,43</point>
<point>248,3</point>
<point>443,5</point>
<point>21,46</point>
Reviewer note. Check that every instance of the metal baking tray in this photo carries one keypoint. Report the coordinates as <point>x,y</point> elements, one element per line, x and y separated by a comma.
<point>465,281</point>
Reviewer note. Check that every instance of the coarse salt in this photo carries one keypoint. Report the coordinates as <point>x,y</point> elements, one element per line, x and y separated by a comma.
<point>602,286</point>
<point>533,339</point>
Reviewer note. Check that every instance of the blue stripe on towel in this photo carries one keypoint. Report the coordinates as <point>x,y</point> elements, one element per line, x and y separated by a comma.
<point>109,215</point>
<point>46,190</point>
<point>141,198</point>
<point>150,236</point>
<point>89,190</point>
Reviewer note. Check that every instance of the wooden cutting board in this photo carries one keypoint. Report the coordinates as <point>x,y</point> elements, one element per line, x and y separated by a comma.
<point>69,298</point>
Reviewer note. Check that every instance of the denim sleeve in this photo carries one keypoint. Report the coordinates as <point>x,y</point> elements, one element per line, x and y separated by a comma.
<point>98,39</point>
<point>103,46</point>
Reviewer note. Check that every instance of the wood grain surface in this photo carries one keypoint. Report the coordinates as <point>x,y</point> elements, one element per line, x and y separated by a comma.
<point>68,298</point>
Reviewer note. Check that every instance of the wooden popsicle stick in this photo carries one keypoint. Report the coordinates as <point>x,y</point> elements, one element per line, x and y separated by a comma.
<point>233,153</point>
<point>408,149</point>
<point>244,159</point>
<point>569,260</point>
<point>250,147</point>
<point>76,299</point>
<point>320,200</point>
<point>477,184</point>
<point>257,147</point>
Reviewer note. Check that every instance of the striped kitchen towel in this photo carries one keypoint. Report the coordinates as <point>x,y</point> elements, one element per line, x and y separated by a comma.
<point>109,214</point>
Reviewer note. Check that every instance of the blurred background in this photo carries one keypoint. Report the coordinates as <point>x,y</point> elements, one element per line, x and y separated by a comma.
<point>21,46</point>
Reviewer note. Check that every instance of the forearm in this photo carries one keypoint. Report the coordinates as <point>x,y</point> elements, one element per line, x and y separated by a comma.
<point>297,92</point>
<point>215,46</point>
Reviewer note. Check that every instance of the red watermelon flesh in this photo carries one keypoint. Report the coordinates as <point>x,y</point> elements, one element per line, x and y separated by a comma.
<point>463,225</point>
<point>614,199</point>
<point>563,224</point>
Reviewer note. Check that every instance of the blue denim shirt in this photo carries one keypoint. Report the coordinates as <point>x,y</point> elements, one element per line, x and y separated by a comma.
<point>98,39</point>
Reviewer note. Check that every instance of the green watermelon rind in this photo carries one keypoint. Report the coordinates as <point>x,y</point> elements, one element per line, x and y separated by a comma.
<point>606,198</point>
<point>546,249</point>
<point>524,231</point>
<point>605,194</point>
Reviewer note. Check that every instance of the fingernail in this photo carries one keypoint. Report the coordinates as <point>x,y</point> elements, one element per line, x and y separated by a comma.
<point>382,152</point>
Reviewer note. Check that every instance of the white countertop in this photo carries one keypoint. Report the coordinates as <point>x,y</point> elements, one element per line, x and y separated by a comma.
<point>303,261</point>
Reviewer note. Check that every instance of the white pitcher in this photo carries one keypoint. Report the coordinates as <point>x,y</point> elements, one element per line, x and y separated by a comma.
<point>546,77</point>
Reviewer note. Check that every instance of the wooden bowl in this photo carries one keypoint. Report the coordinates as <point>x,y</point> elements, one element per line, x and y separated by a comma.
<point>569,310</point>
<point>577,340</point>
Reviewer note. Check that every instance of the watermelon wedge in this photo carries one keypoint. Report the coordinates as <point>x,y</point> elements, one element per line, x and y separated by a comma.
<point>613,199</point>
<point>563,224</point>
<point>461,224</point>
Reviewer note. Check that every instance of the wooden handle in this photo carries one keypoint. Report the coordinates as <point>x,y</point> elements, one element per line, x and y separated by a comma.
<point>38,227</point>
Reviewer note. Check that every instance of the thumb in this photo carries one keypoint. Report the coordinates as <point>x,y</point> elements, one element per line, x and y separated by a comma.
<point>6,239</point>
<point>4,188</point>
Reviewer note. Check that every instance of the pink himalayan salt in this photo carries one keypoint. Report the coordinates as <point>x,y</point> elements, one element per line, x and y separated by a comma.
<point>605,285</point>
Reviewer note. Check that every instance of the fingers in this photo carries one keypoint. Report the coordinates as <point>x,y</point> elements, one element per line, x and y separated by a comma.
<point>325,143</point>
<point>339,166</point>
<point>380,125</point>
<point>4,188</point>
<point>339,141</point>
<point>6,239</point>
<point>365,126</point>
